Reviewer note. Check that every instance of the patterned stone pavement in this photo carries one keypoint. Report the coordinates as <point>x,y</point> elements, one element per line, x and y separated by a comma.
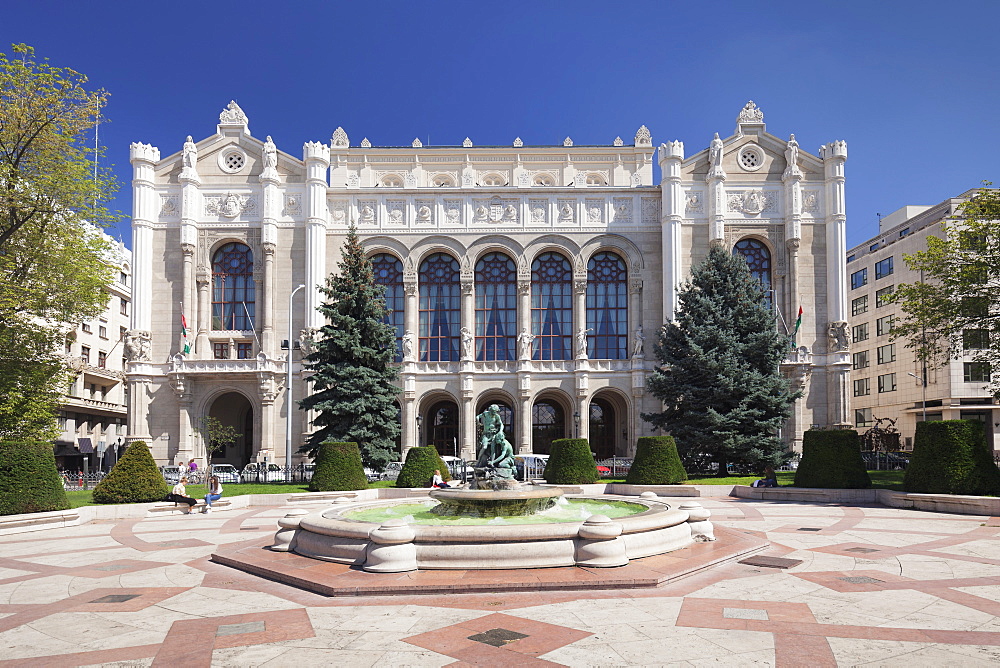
<point>865,586</point>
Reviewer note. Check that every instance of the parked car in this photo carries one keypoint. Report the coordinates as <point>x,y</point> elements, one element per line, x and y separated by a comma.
<point>257,472</point>
<point>227,473</point>
<point>530,467</point>
<point>459,469</point>
<point>372,474</point>
<point>304,472</point>
<point>172,474</point>
<point>617,467</point>
<point>391,471</point>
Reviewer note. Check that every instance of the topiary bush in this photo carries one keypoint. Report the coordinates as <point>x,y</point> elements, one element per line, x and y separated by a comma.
<point>418,469</point>
<point>571,462</point>
<point>831,459</point>
<point>951,457</point>
<point>338,468</point>
<point>656,462</point>
<point>29,481</point>
<point>134,479</point>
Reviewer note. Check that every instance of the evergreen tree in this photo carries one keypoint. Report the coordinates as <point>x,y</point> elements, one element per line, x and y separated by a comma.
<point>724,397</point>
<point>353,372</point>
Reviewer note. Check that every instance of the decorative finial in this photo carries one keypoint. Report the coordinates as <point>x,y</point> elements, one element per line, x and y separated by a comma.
<point>750,114</point>
<point>518,142</point>
<point>339,139</point>
<point>467,143</point>
<point>642,136</point>
<point>365,143</point>
<point>417,143</point>
<point>567,142</point>
<point>619,142</point>
<point>233,115</point>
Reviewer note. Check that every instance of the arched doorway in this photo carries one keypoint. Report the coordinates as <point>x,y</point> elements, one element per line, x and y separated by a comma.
<point>603,423</point>
<point>548,422</point>
<point>234,410</point>
<point>506,416</point>
<point>441,424</point>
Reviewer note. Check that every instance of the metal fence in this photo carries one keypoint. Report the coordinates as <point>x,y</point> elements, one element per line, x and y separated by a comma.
<point>885,461</point>
<point>77,480</point>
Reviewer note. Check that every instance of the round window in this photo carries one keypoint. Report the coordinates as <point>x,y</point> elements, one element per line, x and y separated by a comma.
<point>751,158</point>
<point>233,160</point>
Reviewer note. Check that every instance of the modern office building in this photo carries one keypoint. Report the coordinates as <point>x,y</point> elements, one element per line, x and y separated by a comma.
<point>887,380</point>
<point>534,277</point>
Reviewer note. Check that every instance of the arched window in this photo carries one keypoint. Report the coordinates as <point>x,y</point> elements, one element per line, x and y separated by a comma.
<point>440,308</point>
<point>493,180</point>
<point>233,288</point>
<point>442,424</point>
<point>544,180</point>
<point>758,260</point>
<point>392,182</point>
<point>607,307</point>
<point>548,422</point>
<point>389,272</point>
<point>443,181</point>
<point>506,416</point>
<point>595,180</point>
<point>602,428</point>
<point>552,307</point>
<point>496,307</point>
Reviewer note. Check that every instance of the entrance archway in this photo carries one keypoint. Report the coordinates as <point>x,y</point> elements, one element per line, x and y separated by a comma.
<point>548,422</point>
<point>442,427</point>
<point>603,427</point>
<point>234,410</point>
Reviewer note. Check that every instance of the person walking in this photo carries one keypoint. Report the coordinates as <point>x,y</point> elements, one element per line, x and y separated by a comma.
<point>214,493</point>
<point>179,495</point>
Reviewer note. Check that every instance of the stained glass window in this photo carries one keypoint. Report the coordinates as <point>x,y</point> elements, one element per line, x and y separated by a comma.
<point>440,308</point>
<point>389,272</point>
<point>496,307</point>
<point>552,307</point>
<point>233,288</point>
<point>758,260</point>
<point>607,307</point>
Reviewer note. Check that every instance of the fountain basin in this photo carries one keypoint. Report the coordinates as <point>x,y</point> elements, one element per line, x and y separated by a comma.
<point>490,503</point>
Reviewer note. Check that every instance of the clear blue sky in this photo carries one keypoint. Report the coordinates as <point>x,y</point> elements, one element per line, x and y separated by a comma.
<point>912,86</point>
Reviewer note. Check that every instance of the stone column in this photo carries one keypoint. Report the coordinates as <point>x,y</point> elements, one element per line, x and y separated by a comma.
<point>834,156</point>
<point>524,307</point>
<point>467,439</point>
<point>189,300</point>
<point>411,314</point>
<point>185,425</point>
<point>579,313</point>
<point>672,215</point>
<point>267,330</point>
<point>203,346</point>
<point>317,159</point>
<point>525,446</point>
<point>272,204</point>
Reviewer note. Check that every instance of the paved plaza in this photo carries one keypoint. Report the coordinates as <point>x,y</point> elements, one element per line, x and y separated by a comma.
<point>860,586</point>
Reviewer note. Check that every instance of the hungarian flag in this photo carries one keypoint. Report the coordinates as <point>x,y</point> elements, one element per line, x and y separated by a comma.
<point>185,345</point>
<point>798,322</point>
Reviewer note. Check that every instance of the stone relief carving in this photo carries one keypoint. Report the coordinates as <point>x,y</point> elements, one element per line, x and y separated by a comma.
<point>339,138</point>
<point>482,213</point>
<point>168,206</point>
<point>396,211</point>
<point>566,211</point>
<point>365,143</point>
<point>623,209</point>
<point>293,205</point>
<point>595,211</point>
<point>233,115</point>
<point>837,335</point>
<point>750,114</point>
<point>752,202</point>
<point>618,142</point>
<point>539,211</point>
<point>694,203</point>
<point>353,180</point>
<point>425,212</point>
<point>810,201</point>
<point>366,211</point>
<point>651,210</point>
<point>307,340</point>
<point>137,345</point>
<point>453,211</point>
<point>468,178</point>
<point>230,205</point>
<point>642,137</point>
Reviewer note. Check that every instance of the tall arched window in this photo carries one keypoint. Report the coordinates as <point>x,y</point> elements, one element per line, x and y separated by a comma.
<point>440,308</point>
<point>548,423</point>
<point>607,307</point>
<point>758,260</point>
<point>552,307</point>
<point>442,425</point>
<point>506,416</point>
<point>389,272</point>
<point>496,307</point>
<point>233,288</point>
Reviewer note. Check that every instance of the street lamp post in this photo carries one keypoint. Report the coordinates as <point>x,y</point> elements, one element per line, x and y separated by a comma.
<point>576,422</point>
<point>288,385</point>
<point>420,422</point>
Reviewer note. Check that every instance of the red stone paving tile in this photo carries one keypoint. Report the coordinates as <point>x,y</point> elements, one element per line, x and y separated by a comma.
<point>116,567</point>
<point>94,657</point>
<point>146,596</point>
<point>793,651</point>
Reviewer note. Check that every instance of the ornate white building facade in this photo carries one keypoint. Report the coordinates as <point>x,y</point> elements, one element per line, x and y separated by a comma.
<point>533,277</point>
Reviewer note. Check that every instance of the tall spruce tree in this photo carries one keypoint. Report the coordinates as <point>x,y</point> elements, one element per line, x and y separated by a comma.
<point>353,372</point>
<point>724,397</point>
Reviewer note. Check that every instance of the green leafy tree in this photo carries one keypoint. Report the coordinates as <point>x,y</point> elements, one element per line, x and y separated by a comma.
<point>723,394</point>
<point>54,263</point>
<point>954,311</point>
<point>353,372</point>
<point>217,436</point>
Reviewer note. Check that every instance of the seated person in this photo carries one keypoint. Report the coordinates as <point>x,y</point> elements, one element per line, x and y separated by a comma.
<point>179,495</point>
<point>770,478</point>
<point>438,481</point>
<point>214,493</point>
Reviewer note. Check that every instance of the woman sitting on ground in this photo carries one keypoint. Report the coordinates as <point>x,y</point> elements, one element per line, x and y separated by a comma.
<point>179,495</point>
<point>214,493</point>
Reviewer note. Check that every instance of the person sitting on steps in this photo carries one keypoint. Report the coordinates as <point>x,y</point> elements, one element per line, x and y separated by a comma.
<point>179,495</point>
<point>214,493</point>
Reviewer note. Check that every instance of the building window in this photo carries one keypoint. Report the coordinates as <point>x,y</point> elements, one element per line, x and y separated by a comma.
<point>884,325</point>
<point>123,306</point>
<point>758,261</point>
<point>443,181</point>
<point>887,353</point>
<point>544,180</point>
<point>860,360</point>
<point>903,232</point>
<point>862,387</point>
<point>860,332</point>
<point>493,180</point>
<point>552,307</point>
<point>851,258</point>
<point>123,278</point>
<point>85,354</point>
<point>233,290</point>
<point>122,331</point>
<point>220,351</point>
<point>883,268</point>
<point>887,383</point>
<point>389,272</point>
<point>976,372</point>
<point>392,182</point>
<point>975,339</point>
<point>547,424</point>
<point>102,332</point>
<point>863,417</point>
<point>595,180</point>
<point>102,360</point>
<point>244,350</point>
<point>496,307</point>
<point>859,278</point>
<point>873,248</point>
<point>859,305</point>
<point>440,308</point>
<point>85,327</point>
<point>883,296</point>
<point>607,307</point>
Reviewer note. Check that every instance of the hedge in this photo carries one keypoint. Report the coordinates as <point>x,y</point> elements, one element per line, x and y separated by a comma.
<point>418,469</point>
<point>571,462</point>
<point>29,481</point>
<point>831,459</point>
<point>134,479</point>
<point>338,468</point>
<point>656,462</point>
<point>951,457</point>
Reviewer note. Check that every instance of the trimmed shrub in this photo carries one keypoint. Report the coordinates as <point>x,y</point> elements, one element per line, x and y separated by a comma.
<point>571,462</point>
<point>418,469</point>
<point>29,481</point>
<point>338,468</point>
<point>134,479</point>
<point>951,457</point>
<point>831,459</point>
<point>656,462</point>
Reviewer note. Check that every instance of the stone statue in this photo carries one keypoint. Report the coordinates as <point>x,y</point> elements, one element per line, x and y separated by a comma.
<point>837,333</point>
<point>307,340</point>
<point>190,160</point>
<point>137,346</point>
<point>495,452</point>
<point>408,346</point>
<point>467,340</point>
<point>639,343</point>
<point>715,154</point>
<point>581,344</point>
<point>792,158</point>
<point>270,154</point>
<point>524,341</point>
